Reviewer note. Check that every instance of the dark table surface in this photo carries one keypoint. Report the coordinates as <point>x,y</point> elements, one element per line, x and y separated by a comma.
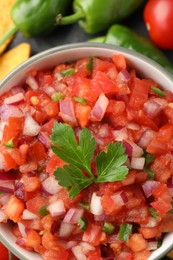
<point>73,33</point>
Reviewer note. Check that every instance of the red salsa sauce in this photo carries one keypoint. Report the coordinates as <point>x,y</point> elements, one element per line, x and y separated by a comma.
<point>124,219</point>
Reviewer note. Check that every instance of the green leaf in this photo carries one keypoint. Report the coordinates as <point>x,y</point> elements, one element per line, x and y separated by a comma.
<point>110,165</point>
<point>72,178</point>
<point>69,150</point>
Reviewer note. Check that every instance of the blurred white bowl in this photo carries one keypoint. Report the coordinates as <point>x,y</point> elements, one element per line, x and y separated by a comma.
<point>49,58</point>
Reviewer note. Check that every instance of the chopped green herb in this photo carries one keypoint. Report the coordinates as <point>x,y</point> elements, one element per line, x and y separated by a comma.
<point>43,211</point>
<point>158,91</point>
<point>153,212</point>
<point>148,158</point>
<point>159,243</point>
<point>80,100</point>
<point>10,143</point>
<point>2,192</point>
<point>58,96</point>
<point>84,205</point>
<point>68,72</point>
<point>125,231</point>
<point>83,223</point>
<point>108,228</point>
<point>110,166</point>
<point>89,66</point>
<point>171,211</point>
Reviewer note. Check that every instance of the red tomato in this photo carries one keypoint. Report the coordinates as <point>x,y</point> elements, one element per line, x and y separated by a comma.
<point>4,252</point>
<point>159,22</point>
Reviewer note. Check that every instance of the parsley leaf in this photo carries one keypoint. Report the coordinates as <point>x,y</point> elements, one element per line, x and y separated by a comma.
<point>77,175</point>
<point>72,178</point>
<point>109,165</point>
<point>67,148</point>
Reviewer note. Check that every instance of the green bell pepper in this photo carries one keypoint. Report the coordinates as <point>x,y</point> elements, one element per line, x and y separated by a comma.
<point>123,36</point>
<point>35,17</point>
<point>97,15</point>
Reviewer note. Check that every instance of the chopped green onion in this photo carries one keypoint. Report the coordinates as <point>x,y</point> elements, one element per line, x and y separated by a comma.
<point>125,231</point>
<point>108,228</point>
<point>84,205</point>
<point>159,243</point>
<point>80,100</point>
<point>58,96</point>
<point>158,91</point>
<point>10,143</point>
<point>89,66</point>
<point>43,211</point>
<point>68,72</point>
<point>153,212</point>
<point>83,223</point>
<point>171,211</point>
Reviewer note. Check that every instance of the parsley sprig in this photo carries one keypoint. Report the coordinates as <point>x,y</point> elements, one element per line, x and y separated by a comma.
<point>77,174</point>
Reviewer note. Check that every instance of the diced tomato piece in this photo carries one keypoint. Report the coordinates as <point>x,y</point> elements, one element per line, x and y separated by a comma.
<point>12,130</point>
<point>139,93</point>
<point>47,127</point>
<point>109,205</point>
<point>33,239</point>
<point>36,203</point>
<point>14,209</point>
<point>115,107</point>
<point>9,161</point>
<point>166,224</point>
<point>82,67</point>
<point>142,255</point>
<point>54,254</point>
<point>31,183</point>
<point>33,224</point>
<point>150,232</point>
<point>161,206</point>
<point>94,255</point>
<point>93,235</point>
<point>47,222</point>
<point>53,163</point>
<point>162,192</point>
<point>158,167</point>
<point>136,242</point>
<point>106,85</point>
<point>119,61</point>
<point>50,242</point>
<point>82,113</point>
<point>138,215</point>
<point>36,152</point>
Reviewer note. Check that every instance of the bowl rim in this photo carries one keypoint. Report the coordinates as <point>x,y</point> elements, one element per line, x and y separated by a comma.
<point>85,45</point>
<point>82,45</point>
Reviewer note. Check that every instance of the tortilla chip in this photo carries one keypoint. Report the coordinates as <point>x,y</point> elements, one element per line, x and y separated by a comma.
<point>12,58</point>
<point>5,20</point>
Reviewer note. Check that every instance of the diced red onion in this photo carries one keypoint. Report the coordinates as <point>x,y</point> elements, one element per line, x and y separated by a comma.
<point>67,111</point>
<point>17,89</point>
<point>32,82</point>
<point>86,247</point>
<point>70,244</point>
<point>55,227</point>
<point>95,205</point>
<point>65,229</point>
<point>4,198</point>
<point>133,126</point>
<point>22,229</point>
<point>123,75</point>
<point>44,139</point>
<point>31,127</point>
<point>146,138</point>
<point>73,215</point>
<point>137,163</point>
<point>2,125</point>
<point>99,109</point>
<point>153,107</point>
<point>132,149</point>
<point>2,162</point>
<point>149,186</point>
<point>152,245</point>
<point>57,208</point>
<point>120,134</point>
<point>152,222</point>
<point>99,217</point>
<point>112,238</point>
<point>7,111</point>
<point>15,99</point>
<point>7,186</point>
<point>78,253</point>
<point>3,217</point>
<point>28,214</point>
<point>119,198</point>
<point>51,186</point>
<point>49,90</point>
<point>20,241</point>
<point>19,190</point>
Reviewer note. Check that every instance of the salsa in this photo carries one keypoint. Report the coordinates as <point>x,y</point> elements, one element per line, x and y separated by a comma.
<point>86,161</point>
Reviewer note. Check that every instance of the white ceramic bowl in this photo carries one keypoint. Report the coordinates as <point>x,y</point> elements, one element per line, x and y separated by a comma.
<point>70,52</point>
